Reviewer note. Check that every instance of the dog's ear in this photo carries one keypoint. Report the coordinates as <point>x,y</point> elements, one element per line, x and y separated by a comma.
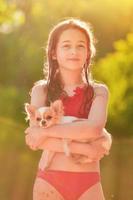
<point>57,106</point>
<point>30,110</point>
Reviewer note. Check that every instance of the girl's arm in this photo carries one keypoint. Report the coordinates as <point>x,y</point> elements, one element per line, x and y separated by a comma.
<point>90,128</point>
<point>99,108</point>
<point>93,152</point>
<point>100,145</point>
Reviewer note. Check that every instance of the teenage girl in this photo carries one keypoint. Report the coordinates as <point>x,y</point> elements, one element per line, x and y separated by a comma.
<point>69,52</point>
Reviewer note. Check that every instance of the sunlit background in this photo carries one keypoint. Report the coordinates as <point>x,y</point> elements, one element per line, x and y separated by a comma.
<point>24,28</point>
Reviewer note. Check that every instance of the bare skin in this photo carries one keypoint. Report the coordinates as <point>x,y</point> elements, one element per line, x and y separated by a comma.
<point>43,190</point>
<point>71,54</point>
<point>41,186</point>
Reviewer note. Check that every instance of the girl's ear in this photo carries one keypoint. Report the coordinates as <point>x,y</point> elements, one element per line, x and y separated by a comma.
<point>30,110</point>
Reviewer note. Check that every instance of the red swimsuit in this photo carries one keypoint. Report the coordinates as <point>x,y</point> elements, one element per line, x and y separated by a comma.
<point>74,105</point>
<point>71,185</point>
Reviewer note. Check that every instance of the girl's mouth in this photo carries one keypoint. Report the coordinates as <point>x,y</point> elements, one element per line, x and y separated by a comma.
<point>73,59</point>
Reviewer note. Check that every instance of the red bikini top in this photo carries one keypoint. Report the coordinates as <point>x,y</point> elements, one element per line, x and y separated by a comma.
<point>80,103</point>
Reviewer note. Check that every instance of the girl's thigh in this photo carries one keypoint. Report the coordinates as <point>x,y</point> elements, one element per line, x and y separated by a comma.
<point>93,193</point>
<point>44,191</point>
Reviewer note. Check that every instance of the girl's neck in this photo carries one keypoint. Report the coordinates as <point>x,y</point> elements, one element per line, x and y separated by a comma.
<point>71,78</point>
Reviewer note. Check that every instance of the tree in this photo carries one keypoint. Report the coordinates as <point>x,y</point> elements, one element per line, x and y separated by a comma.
<point>115,69</point>
<point>10,17</point>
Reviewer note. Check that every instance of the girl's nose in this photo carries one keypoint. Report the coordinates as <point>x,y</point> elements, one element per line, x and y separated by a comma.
<point>73,51</point>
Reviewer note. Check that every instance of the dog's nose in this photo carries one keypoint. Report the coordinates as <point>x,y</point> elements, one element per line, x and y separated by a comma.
<point>43,122</point>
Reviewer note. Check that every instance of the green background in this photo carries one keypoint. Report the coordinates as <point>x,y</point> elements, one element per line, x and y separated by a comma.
<point>24,28</point>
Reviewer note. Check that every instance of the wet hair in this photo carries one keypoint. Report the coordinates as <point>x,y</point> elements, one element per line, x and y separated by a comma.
<point>54,83</point>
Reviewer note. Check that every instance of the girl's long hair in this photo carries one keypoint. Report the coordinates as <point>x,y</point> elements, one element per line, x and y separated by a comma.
<point>54,83</point>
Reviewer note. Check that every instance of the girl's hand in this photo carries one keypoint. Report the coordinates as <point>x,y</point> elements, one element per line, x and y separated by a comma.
<point>96,152</point>
<point>35,136</point>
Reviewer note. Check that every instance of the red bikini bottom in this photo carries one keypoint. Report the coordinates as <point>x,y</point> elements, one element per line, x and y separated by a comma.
<point>70,184</point>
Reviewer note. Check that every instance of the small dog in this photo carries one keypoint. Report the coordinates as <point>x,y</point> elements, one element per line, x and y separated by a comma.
<point>45,116</point>
<point>49,116</point>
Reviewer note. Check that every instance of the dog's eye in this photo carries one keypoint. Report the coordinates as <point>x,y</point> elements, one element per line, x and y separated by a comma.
<point>48,117</point>
<point>38,119</point>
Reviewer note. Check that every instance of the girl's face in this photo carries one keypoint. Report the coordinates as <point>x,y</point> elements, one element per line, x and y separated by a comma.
<point>72,50</point>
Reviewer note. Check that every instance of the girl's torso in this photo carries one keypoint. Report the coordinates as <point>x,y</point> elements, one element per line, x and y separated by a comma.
<point>77,104</point>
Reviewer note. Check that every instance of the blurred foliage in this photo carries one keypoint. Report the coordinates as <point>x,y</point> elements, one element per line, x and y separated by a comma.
<point>24,28</point>
<point>16,160</point>
<point>12,103</point>
<point>10,16</point>
<point>115,69</point>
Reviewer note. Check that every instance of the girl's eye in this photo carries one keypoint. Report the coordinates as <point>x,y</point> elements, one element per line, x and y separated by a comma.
<point>48,117</point>
<point>81,46</point>
<point>38,119</point>
<point>66,46</point>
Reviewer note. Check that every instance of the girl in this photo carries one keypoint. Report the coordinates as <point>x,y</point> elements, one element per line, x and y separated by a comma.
<point>69,52</point>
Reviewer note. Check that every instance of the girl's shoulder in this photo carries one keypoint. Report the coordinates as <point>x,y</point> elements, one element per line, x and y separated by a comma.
<point>38,92</point>
<point>100,89</point>
<point>39,87</point>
